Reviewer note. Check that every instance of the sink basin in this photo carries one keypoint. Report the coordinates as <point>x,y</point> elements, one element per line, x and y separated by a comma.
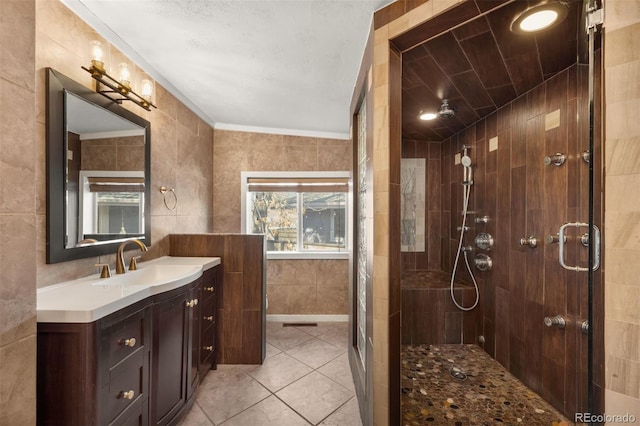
<point>153,276</point>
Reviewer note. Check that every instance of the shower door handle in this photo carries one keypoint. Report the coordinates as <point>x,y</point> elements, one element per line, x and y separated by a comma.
<point>562,243</point>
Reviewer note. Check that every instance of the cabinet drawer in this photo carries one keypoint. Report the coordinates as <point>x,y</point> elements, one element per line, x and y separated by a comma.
<point>208,312</point>
<point>126,337</point>
<point>209,278</point>
<point>125,384</point>
<point>134,415</point>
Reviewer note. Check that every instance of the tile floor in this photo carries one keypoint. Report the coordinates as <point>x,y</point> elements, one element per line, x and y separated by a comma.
<point>305,379</point>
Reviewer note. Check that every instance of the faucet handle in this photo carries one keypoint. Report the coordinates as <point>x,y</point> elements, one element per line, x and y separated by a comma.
<point>133,264</point>
<point>105,272</point>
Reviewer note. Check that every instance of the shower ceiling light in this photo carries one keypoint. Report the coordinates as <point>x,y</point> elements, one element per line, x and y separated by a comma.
<point>540,17</point>
<point>426,116</point>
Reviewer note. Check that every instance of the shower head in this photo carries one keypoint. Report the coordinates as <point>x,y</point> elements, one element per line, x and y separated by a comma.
<point>445,111</point>
<point>466,161</point>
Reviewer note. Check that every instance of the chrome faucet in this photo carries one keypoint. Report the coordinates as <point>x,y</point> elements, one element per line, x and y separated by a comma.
<point>120,254</point>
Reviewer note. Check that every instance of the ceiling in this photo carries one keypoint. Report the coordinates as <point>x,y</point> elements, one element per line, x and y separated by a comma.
<point>269,65</point>
<point>479,67</point>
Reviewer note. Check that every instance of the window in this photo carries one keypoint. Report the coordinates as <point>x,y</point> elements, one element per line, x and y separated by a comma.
<point>300,214</point>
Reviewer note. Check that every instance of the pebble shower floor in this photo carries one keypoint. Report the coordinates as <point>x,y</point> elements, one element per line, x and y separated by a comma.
<point>484,394</point>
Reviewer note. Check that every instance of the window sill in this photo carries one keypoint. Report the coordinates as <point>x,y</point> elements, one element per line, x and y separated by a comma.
<point>302,255</point>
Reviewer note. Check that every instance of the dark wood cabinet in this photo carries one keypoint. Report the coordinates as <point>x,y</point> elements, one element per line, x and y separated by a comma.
<point>169,354</point>
<point>138,366</point>
<point>96,373</point>
<point>211,292</point>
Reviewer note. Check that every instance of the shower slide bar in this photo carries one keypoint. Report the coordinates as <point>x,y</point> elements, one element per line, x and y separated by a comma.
<point>562,242</point>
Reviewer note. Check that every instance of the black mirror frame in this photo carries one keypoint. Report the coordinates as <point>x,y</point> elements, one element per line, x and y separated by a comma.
<point>57,83</point>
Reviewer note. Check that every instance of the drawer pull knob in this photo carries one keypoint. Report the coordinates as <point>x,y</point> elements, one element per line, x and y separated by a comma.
<point>210,289</point>
<point>127,395</point>
<point>191,303</point>
<point>128,342</point>
<point>208,348</point>
<point>209,318</point>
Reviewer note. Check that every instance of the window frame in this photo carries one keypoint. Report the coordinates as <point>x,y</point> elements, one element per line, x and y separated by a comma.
<point>299,254</point>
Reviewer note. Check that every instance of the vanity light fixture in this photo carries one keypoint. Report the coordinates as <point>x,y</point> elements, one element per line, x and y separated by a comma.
<point>118,90</point>
<point>540,17</point>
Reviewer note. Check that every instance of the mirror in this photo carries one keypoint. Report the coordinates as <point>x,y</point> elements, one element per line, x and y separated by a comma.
<point>98,160</point>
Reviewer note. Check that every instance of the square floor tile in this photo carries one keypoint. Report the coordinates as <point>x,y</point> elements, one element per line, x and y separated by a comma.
<point>227,391</point>
<point>269,412</point>
<point>285,338</point>
<point>314,396</point>
<point>195,417</point>
<point>278,371</point>
<point>315,353</point>
<point>339,371</point>
<point>347,415</point>
<point>337,336</point>
<point>319,329</point>
<point>271,351</point>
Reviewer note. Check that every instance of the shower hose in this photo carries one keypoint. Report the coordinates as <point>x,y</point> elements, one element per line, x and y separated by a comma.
<point>465,205</point>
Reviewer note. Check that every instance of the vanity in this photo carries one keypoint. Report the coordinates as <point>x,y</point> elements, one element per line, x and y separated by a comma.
<point>130,349</point>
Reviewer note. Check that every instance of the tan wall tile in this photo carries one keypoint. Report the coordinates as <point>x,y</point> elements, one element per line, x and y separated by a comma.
<point>620,14</point>
<point>623,229</point>
<point>17,149</point>
<point>622,158</point>
<point>622,120</point>
<point>17,37</point>
<point>622,45</point>
<point>17,286</point>
<point>623,267</point>
<point>623,340</point>
<point>623,376</point>
<point>18,382</point>
<point>622,303</point>
<point>617,403</point>
<point>300,157</point>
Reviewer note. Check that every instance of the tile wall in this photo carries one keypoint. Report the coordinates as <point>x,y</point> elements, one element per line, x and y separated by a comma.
<point>293,286</point>
<point>18,165</point>
<point>181,147</point>
<point>622,217</point>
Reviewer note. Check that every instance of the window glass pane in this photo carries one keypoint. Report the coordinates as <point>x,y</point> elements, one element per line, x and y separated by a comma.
<point>323,221</point>
<point>275,214</point>
<point>118,212</point>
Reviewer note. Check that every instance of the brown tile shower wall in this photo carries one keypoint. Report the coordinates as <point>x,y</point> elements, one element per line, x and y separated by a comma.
<point>293,286</point>
<point>522,198</point>
<point>431,258</point>
<point>18,165</point>
<point>181,147</point>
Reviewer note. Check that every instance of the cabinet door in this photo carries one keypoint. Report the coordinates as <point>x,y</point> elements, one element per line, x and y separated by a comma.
<point>193,356</point>
<point>170,338</point>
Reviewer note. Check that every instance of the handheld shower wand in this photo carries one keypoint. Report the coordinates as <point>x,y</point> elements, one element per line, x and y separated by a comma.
<point>467,181</point>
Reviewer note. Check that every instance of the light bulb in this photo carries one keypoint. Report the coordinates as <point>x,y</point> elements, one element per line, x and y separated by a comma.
<point>124,75</point>
<point>147,89</point>
<point>97,56</point>
<point>538,20</point>
<point>96,51</point>
<point>428,116</point>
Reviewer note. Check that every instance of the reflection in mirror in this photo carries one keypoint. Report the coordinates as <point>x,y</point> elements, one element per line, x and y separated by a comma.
<point>104,175</point>
<point>98,161</point>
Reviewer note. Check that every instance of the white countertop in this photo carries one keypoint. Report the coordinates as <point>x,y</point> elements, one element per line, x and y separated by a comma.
<point>90,298</point>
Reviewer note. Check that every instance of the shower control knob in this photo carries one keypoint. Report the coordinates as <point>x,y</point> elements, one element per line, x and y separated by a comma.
<point>557,321</point>
<point>584,327</point>
<point>557,160</point>
<point>483,262</point>
<point>531,242</point>
<point>551,239</point>
<point>484,241</point>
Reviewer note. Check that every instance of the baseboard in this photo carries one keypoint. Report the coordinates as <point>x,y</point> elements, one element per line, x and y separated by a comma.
<point>307,318</point>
